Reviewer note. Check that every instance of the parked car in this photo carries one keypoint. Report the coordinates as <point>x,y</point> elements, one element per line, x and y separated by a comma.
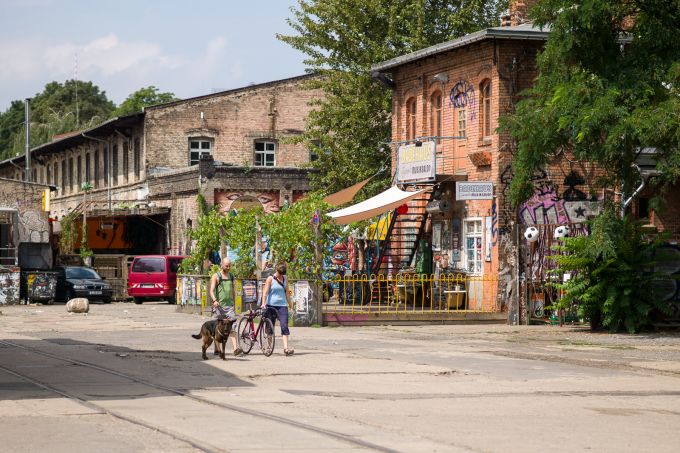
<point>153,277</point>
<point>81,281</point>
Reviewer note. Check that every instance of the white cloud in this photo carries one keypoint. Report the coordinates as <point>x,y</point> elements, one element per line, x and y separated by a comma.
<point>117,65</point>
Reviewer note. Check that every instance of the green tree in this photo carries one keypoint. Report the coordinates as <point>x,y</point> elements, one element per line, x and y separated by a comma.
<point>59,108</point>
<point>342,40</point>
<point>608,86</point>
<point>141,98</point>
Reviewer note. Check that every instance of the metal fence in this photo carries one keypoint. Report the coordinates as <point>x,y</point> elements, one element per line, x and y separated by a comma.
<point>411,293</point>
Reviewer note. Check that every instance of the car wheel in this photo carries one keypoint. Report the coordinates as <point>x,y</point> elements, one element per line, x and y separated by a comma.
<point>107,301</point>
<point>138,300</point>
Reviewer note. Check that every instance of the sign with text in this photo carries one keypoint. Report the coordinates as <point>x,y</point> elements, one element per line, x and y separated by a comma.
<point>474,190</point>
<point>416,163</point>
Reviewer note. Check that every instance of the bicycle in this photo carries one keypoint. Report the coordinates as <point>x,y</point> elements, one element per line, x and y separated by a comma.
<point>248,335</point>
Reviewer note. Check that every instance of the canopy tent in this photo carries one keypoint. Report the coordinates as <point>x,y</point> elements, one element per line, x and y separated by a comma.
<point>374,206</point>
<point>346,195</point>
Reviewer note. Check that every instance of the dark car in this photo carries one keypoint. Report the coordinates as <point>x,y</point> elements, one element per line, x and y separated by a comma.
<point>81,281</point>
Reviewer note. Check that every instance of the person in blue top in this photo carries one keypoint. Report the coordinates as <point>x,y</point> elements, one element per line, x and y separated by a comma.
<point>276,301</point>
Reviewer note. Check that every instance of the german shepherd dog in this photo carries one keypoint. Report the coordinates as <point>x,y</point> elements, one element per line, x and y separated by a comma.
<point>217,330</point>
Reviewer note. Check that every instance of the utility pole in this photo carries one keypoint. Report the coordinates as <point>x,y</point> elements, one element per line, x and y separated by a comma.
<point>27,115</point>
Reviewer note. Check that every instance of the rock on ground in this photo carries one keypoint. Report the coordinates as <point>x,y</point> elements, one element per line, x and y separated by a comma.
<point>78,305</point>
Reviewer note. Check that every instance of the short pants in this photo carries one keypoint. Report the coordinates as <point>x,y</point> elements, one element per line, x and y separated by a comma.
<point>224,313</point>
<point>281,313</point>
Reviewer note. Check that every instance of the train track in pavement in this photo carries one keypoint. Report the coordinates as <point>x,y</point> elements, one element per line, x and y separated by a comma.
<point>196,443</point>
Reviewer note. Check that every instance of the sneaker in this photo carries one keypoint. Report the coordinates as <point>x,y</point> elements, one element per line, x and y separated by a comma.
<point>238,352</point>
<point>288,352</point>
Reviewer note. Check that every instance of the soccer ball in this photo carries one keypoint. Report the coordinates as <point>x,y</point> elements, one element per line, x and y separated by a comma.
<point>531,234</point>
<point>561,231</point>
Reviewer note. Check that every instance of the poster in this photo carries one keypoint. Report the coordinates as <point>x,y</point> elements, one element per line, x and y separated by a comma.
<point>301,296</point>
<point>436,236</point>
<point>249,291</point>
<point>455,240</point>
<point>487,238</point>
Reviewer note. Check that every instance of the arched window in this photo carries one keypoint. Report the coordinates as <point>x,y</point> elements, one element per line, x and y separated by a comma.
<point>436,115</point>
<point>485,108</point>
<point>411,119</point>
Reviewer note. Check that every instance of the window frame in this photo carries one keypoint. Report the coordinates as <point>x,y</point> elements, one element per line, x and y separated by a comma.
<point>264,152</point>
<point>485,109</point>
<point>200,149</point>
<point>461,123</point>
<point>137,157</point>
<point>436,115</point>
<point>411,112</point>
<point>478,261</point>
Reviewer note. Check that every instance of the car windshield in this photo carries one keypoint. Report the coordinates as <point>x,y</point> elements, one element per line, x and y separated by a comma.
<point>81,272</point>
<point>149,265</point>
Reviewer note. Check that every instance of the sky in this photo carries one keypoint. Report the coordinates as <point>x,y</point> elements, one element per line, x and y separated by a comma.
<point>189,48</point>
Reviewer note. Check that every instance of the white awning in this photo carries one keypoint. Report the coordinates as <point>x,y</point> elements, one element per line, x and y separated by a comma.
<point>381,203</point>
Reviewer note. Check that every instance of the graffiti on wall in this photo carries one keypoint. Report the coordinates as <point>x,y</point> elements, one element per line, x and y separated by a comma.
<point>669,263</point>
<point>228,200</point>
<point>9,286</point>
<point>462,96</point>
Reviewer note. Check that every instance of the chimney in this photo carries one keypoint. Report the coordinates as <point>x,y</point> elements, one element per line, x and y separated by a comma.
<point>517,13</point>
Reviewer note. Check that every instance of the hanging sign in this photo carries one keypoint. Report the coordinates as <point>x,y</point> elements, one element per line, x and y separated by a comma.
<point>416,163</point>
<point>474,190</point>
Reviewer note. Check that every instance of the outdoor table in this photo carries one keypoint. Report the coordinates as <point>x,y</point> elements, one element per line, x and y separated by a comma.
<point>455,298</point>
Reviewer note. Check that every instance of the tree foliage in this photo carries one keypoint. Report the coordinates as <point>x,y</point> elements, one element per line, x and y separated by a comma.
<point>141,98</point>
<point>59,108</point>
<point>342,40</point>
<point>608,86</point>
<point>613,279</point>
<point>289,234</point>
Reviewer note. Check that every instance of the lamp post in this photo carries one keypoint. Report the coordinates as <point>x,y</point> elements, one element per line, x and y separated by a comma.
<point>85,252</point>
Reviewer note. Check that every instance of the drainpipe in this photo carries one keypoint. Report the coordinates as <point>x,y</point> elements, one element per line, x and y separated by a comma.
<point>627,202</point>
<point>108,152</point>
<point>27,104</point>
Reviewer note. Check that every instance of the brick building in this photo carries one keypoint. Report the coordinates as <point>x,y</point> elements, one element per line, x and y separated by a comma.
<point>453,94</point>
<point>144,168</point>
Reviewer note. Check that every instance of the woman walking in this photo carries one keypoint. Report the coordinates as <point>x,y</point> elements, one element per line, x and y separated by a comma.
<point>276,301</point>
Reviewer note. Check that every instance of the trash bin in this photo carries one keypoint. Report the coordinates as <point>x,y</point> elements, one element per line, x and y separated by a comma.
<point>41,286</point>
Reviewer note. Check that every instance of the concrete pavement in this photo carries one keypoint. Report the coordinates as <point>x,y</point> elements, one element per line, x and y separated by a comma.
<point>129,377</point>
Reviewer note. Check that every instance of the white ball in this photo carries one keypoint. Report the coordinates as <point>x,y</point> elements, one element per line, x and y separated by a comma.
<point>531,234</point>
<point>561,231</point>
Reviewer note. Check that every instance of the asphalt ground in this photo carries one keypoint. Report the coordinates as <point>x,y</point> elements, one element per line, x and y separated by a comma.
<point>128,377</point>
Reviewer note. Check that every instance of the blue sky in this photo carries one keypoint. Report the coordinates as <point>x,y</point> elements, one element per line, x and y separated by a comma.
<point>189,48</point>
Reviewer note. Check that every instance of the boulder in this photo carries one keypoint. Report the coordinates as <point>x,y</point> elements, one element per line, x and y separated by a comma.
<point>78,305</point>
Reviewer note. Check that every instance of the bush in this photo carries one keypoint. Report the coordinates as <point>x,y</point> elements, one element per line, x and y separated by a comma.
<point>612,273</point>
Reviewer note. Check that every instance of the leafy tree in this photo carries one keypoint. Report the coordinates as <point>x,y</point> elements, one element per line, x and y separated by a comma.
<point>342,40</point>
<point>612,282</point>
<point>141,98</point>
<point>608,86</point>
<point>59,108</point>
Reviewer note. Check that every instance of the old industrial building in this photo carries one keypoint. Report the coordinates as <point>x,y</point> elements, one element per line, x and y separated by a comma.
<point>146,169</point>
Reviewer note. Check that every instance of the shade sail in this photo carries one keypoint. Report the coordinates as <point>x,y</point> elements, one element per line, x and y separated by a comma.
<point>345,195</point>
<point>374,206</point>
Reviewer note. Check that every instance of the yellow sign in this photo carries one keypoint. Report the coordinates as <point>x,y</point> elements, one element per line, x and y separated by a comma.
<point>46,200</point>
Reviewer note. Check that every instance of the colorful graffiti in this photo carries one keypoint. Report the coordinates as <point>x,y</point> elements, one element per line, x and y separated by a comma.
<point>462,95</point>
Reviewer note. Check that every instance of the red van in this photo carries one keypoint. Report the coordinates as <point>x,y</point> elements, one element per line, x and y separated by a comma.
<point>153,277</point>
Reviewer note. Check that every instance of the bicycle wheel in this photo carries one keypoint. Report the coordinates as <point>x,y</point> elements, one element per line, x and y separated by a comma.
<point>245,335</point>
<point>267,336</point>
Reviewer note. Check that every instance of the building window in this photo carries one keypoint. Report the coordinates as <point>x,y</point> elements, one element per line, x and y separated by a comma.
<point>485,107</point>
<point>95,164</point>
<point>114,165</point>
<point>197,148</point>
<point>48,174</point>
<point>64,183</point>
<point>126,159</point>
<point>137,158</point>
<point>79,171</point>
<point>473,246</point>
<point>462,123</point>
<point>265,154</point>
<point>436,116</point>
<point>411,119</point>
<point>106,165</point>
<point>70,173</point>
<point>55,174</point>
<point>88,173</point>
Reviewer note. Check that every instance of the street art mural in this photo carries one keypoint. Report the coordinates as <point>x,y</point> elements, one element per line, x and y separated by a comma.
<point>669,264</point>
<point>228,200</point>
<point>462,96</point>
